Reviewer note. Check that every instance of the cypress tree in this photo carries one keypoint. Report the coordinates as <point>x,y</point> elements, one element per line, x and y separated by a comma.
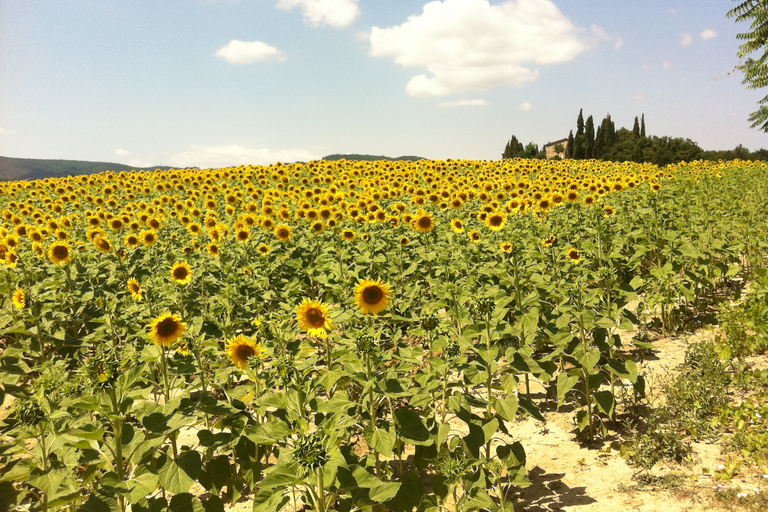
<point>636,128</point>
<point>589,138</point>
<point>578,140</point>
<point>569,147</point>
<point>642,126</point>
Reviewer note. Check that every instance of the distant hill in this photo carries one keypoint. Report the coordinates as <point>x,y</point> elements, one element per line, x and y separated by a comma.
<point>370,158</point>
<point>35,169</point>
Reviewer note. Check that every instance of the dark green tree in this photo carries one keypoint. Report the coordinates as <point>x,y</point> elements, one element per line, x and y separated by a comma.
<point>589,138</point>
<point>569,145</point>
<point>755,69</point>
<point>636,128</point>
<point>642,126</point>
<point>513,149</point>
<point>578,141</point>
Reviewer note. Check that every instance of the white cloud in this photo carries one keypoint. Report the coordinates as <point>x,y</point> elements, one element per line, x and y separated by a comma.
<point>233,155</point>
<point>335,13</point>
<point>470,45</point>
<point>525,106</point>
<point>666,64</point>
<point>708,34</point>
<point>639,96</point>
<point>247,52</point>
<point>618,43</point>
<point>686,39</point>
<point>122,152</point>
<point>5,131</point>
<point>464,103</point>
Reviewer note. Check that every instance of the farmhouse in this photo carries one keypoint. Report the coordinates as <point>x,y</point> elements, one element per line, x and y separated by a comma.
<point>549,149</point>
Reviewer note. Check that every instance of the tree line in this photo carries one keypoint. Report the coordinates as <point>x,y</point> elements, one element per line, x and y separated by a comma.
<point>624,145</point>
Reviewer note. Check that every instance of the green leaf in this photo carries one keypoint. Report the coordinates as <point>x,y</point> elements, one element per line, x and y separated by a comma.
<point>382,440</point>
<point>356,477</point>
<point>270,432</point>
<point>506,407</point>
<point>590,359</point>
<point>408,495</point>
<point>178,476</point>
<point>281,475</point>
<point>605,401</point>
<point>582,420</point>
<point>565,382</point>
<point>185,502</point>
<point>411,428</point>
<point>142,485</point>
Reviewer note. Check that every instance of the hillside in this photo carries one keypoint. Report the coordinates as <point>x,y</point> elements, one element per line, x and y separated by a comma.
<point>34,169</point>
<point>371,158</point>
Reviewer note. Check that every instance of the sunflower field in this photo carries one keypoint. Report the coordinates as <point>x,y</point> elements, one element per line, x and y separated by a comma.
<point>342,335</point>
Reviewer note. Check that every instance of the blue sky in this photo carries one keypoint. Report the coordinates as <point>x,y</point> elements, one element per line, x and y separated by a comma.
<point>214,83</point>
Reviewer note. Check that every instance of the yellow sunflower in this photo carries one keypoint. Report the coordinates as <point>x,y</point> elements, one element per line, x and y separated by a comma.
<point>181,273</point>
<point>19,299</point>
<point>148,237</point>
<point>135,288</point>
<point>60,252</point>
<point>507,247</point>
<point>132,241</point>
<point>11,259</point>
<point>103,245</point>
<point>574,255</point>
<point>214,249</point>
<point>475,236</point>
<point>348,235</point>
<point>424,222</point>
<point>457,225</point>
<point>283,233</point>
<point>372,296</point>
<point>241,348</point>
<point>167,328</point>
<point>496,221</point>
<point>263,249</point>
<point>313,318</point>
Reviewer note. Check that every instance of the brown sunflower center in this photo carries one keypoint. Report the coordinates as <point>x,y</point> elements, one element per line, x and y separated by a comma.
<point>425,222</point>
<point>60,252</point>
<point>315,317</point>
<point>244,352</point>
<point>495,220</point>
<point>373,294</point>
<point>282,233</point>
<point>167,327</point>
<point>180,273</point>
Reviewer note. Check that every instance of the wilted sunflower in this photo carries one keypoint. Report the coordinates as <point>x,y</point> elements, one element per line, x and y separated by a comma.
<point>181,273</point>
<point>60,252</point>
<point>549,241</point>
<point>423,222</point>
<point>283,233</point>
<point>241,348</point>
<point>313,318</point>
<point>167,328</point>
<point>135,288</point>
<point>372,296</point>
<point>574,255</point>
<point>496,221</point>
<point>19,299</point>
<point>457,225</point>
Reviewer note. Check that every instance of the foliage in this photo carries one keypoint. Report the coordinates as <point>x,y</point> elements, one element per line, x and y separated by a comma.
<point>755,75</point>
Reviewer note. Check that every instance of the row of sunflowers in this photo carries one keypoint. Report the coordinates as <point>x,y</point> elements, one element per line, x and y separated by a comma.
<point>341,335</point>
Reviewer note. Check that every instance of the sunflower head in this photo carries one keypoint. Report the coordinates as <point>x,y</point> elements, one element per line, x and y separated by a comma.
<point>242,348</point>
<point>457,225</point>
<point>60,252</point>
<point>372,296</point>
<point>283,233</point>
<point>181,273</point>
<point>19,299</point>
<point>166,328</point>
<point>313,318</point>
<point>573,255</point>
<point>135,288</point>
<point>507,247</point>
<point>496,221</point>
<point>549,241</point>
<point>423,222</point>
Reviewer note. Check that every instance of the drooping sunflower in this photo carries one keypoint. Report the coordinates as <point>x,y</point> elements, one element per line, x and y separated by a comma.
<point>424,222</point>
<point>313,318</point>
<point>19,299</point>
<point>60,252</point>
<point>167,328</point>
<point>549,241</point>
<point>181,273</point>
<point>135,288</point>
<point>11,259</point>
<point>283,233</point>
<point>573,255</point>
<point>241,348</point>
<point>372,296</point>
<point>496,221</point>
<point>103,245</point>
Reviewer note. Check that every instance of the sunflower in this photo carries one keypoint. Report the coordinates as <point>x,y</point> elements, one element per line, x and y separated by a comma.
<point>507,247</point>
<point>135,288</point>
<point>148,237</point>
<point>241,348</point>
<point>283,233</point>
<point>423,222</point>
<point>313,318</point>
<point>404,241</point>
<point>242,235</point>
<point>263,249</point>
<point>167,328</point>
<point>372,296</point>
<point>11,259</point>
<point>549,241</point>
<point>609,210</point>
<point>183,348</point>
<point>318,227</point>
<point>60,252</point>
<point>103,245</point>
<point>132,241</point>
<point>213,249</point>
<point>457,225</point>
<point>348,235</point>
<point>181,273</point>
<point>475,236</point>
<point>574,255</point>
<point>19,299</point>
<point>496,221</point>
